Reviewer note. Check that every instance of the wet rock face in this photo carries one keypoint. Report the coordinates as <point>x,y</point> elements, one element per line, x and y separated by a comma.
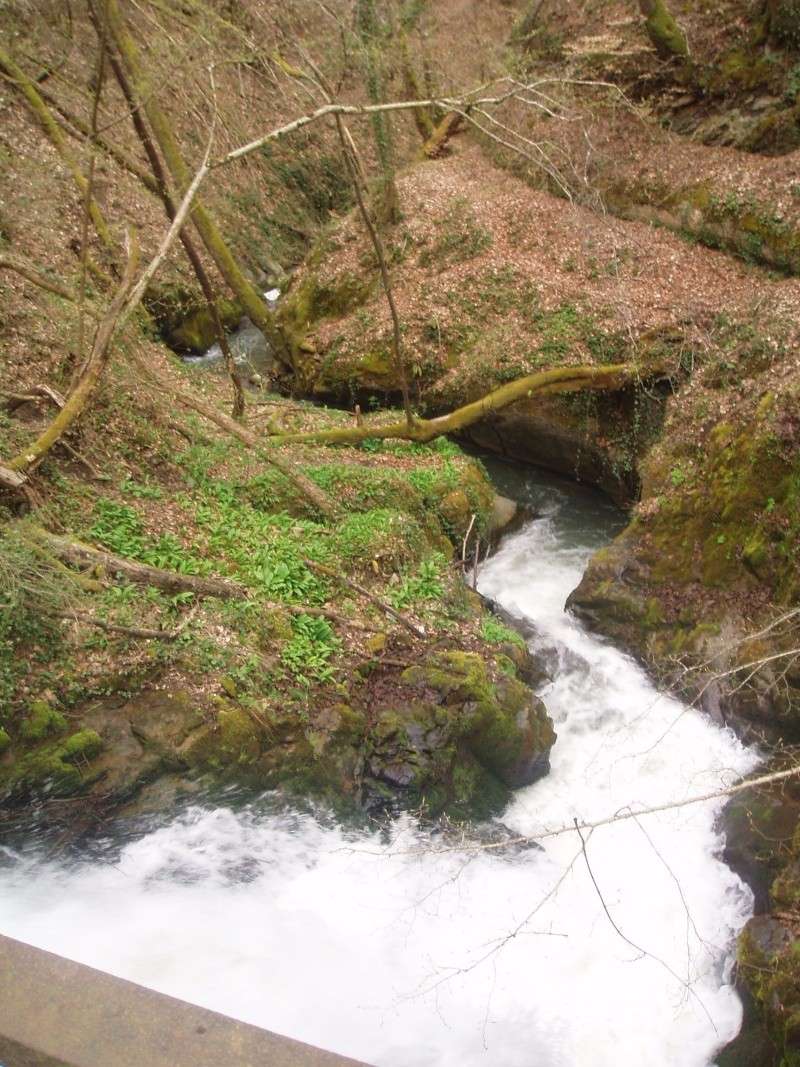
<point>453,733</point>
<point>552,435</point>
<point>460,742</point>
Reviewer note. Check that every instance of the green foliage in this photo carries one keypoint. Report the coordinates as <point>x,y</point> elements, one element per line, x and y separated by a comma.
<point>265,550</point>
<point>381,532</point>
<point>119,528</point>
<point>497,633</point>
<point>307,655</point>
<point>566,327</point>
<point>423,586</point>
<point>677,476</point>
<point>34,590</point>
<point>140,490</point>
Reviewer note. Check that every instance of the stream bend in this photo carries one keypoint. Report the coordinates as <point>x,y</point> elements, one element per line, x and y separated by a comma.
<point>389,949</point>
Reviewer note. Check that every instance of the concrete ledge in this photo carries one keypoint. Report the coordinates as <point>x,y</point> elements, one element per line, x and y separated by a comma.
<point>55,1013</point>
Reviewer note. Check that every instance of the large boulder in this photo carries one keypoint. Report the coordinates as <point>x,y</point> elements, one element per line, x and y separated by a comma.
<point>460,740</point>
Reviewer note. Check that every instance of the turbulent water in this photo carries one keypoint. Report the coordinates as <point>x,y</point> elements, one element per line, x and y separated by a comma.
<point>401,950</point>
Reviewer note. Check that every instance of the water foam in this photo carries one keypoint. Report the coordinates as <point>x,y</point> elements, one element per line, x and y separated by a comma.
<point>394,950</point>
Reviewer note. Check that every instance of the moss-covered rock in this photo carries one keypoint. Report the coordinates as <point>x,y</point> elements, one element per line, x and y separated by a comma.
<point>197,332</point>
<point>55,768</point>
<point>750,228</point>
<point>183,317</point>
<point>712,538</point>
<point>41,721</point>
<point>465,736</point>
<point>314,299</point>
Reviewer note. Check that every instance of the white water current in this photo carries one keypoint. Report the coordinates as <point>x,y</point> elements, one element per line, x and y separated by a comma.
<point>389,948</point>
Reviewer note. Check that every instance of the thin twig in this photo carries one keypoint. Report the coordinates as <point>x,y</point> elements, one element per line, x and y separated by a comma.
<point>637,948</point>
<point>417,631</point>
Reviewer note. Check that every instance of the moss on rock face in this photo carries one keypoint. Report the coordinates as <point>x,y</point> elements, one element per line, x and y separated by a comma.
<point>717,537</point>
<point>456,735</point>
<point>469,737</point>
<point>314,299</point>
<point>746,226</point>
<point>58,768</point>
<point>183,317</point>
<point>42,721</point>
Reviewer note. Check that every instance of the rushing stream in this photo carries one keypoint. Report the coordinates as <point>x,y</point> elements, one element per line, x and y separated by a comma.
<point>401,950</point>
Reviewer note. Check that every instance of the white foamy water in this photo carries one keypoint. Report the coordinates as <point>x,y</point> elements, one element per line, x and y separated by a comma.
<point>389,949</point>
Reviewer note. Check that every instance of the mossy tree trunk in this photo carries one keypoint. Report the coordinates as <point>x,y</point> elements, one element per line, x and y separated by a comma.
<point>109,20</point>
<point>668,38</point>
<point>422,116</point>
<point>17,76</point>
<point>369,33</point>
<point>543,383</point>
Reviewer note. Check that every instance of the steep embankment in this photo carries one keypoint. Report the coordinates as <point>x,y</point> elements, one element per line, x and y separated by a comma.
<point>303,680</point>
<point>494,280</point>
<point>112,681</point>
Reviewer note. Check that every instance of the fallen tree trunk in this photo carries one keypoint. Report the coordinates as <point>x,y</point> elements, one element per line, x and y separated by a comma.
<point>109,22</point>
<point>98,358</point>
<point>320,499</point>
<point>115,152</point>
<point>125,301</point>
<point>312,492</point>
<point>82,555</point>
<point>11,479</point>
<point>37,277</point>
<point>79,554</point>
<point>543,383</point>
<point>164,193</point>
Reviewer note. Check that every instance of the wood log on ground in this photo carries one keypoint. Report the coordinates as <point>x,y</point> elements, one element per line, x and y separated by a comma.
<point>79,554</point>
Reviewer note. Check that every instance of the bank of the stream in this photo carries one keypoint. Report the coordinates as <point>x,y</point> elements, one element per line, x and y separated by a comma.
<point>414,947</point>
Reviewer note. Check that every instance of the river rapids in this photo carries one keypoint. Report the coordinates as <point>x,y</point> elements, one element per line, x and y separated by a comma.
<point>404,948</point>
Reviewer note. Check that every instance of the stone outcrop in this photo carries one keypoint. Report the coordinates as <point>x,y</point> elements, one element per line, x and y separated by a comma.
<point>452,733</point>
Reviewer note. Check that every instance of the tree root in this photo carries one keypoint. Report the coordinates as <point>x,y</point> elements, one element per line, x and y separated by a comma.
<point>141,633</point>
